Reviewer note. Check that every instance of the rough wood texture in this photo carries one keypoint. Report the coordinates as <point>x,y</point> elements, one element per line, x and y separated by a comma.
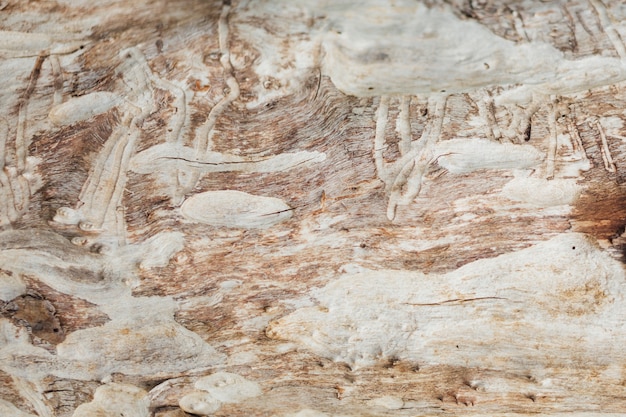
<point>300,208</point>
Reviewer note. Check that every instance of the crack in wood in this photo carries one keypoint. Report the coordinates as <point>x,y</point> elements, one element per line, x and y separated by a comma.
<point>456,301</point>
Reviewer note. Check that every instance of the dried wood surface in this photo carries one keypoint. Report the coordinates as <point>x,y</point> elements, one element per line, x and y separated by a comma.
<point>293,208</point>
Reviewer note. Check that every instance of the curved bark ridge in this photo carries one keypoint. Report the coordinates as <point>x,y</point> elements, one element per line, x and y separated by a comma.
<point>400,190</point>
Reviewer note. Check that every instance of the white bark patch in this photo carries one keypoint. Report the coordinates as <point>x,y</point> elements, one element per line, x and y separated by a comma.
<point>154,252</point>
<point>389,402</point>
<point>17,353</point>
<point>116,400</point>
<point>136,348</point>
<point>11,286</point>
<point>22,44</point>
<point>166,156</point>
<point>83,108</point>
<point>307,412</point>
<point>199,403</point>
<point>142,338</point>
<point>540,192</point>
<point>406,48</point>
<point>460,156</point>
<point>235,209</point>
<point>218,388</point>
<point>484,314</point>
<point>410,48</point>
<point>228,387</point>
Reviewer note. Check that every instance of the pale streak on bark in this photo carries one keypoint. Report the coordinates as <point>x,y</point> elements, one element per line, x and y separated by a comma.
<point>33,395</point>
<point>21,192</point>
<point>91,194</point>
<point>609,165</point>
<point>181,108</point>
<point>16,44</point>
<point>123,154</point>
<point>486,112</point>
<point>379,137</point>
<point>21,141</point>
<point>17,188</point>
<point>521,121</point>
<point>179,94</point>
<point>4,133</point>
<point>577,142</point>
<point>519,26</point>
<point>408,182</point>
<point>204,142</point>
<point>7,210</point>
<point>175,135</point>
<point>552,141</point>
<point>103,191</point>
<point>403,125</point>
<point>235,163</point>
<point>57,74</point>
<point>205,145</point>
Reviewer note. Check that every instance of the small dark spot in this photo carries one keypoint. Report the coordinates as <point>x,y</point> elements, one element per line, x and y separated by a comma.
<point>527,133</point>
<point>531,397</point>
<point>573,247</point>
<point>457,346</point>
<point>392,362</point>
<point>56,330</point>
<point>486,65</point>
<point>467,13</point>
<point>425,112</point>
<point>226,3</point>
<point>159,45</point>
<point>370,88</point>
<point>443,91</point>
<point>618,233</point>
<point>363,245</point>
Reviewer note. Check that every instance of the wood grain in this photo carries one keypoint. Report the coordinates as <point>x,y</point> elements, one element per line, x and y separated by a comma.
<point>286,209</point>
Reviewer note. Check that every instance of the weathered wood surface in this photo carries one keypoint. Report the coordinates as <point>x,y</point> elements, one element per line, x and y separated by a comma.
<point>312,208</point>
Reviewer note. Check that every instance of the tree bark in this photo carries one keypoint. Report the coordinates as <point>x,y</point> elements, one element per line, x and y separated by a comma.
<point>294,209</point>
